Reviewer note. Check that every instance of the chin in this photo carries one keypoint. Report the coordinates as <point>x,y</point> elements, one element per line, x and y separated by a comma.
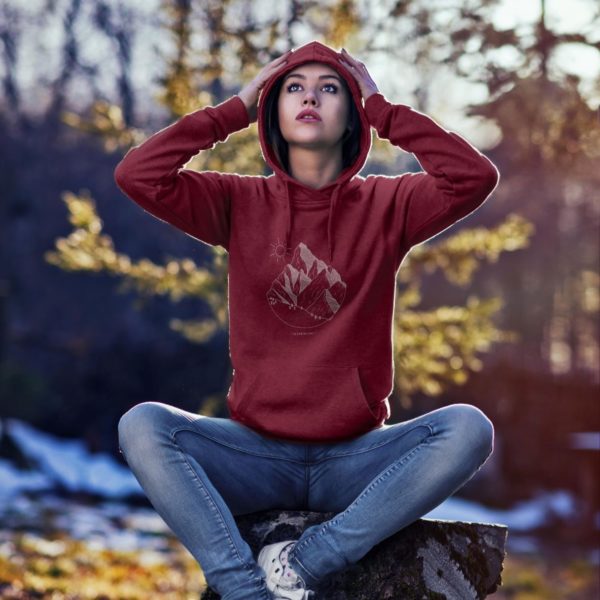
<point>298,135</point>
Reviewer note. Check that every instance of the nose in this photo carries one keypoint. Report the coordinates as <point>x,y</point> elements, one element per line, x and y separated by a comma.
<point>310,96</point>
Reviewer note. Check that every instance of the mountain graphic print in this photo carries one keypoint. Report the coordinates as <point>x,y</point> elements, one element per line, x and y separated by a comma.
<point>307,292</point>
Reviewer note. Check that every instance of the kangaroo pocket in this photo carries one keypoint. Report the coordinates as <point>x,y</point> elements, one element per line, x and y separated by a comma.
<point>320,403</point>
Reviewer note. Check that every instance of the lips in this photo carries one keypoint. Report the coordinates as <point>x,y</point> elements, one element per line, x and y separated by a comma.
<point>308,115</point>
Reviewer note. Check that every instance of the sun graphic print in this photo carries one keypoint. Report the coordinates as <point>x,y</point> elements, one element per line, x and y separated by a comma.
<point>307,292</point>
<point>279,250</point>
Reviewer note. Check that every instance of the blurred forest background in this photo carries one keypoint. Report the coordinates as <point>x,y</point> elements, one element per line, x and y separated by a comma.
<point>102,306</point>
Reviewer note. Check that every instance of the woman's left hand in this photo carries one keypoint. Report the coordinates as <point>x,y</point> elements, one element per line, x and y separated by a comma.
<point>359,71</point>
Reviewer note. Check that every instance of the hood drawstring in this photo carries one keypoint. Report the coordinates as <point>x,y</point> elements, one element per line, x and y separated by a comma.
<point>288,206</point>
<point>332,206</point>
<point>330,238</point>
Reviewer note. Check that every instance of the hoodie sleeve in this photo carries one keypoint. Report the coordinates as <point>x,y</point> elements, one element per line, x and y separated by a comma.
<point>457,178</point>
<point>198,203</point>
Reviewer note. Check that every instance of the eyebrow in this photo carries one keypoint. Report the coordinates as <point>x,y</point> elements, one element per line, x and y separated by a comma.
<point>320,76</point>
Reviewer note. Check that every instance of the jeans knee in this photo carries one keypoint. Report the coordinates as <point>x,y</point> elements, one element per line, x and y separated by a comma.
<point>475,425</point>
<point>136,426</point>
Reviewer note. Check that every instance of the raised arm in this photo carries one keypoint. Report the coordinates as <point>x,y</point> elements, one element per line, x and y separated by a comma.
<point>198,203</point>
<point>457,178</point>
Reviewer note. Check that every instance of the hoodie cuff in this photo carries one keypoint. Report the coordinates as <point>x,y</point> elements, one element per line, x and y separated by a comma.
<point>236,110</point>
<point>375,106</point>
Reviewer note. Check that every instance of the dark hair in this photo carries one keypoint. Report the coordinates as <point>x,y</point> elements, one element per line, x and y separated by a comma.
<point>351,139</point>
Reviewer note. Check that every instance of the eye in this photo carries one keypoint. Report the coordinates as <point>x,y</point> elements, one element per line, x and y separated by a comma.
<point>330,85</point>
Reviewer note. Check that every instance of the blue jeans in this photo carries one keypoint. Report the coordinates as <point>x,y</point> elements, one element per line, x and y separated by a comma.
<point>198,472</point>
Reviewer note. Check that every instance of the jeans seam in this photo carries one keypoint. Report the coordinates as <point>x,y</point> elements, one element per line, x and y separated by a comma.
<point>210,498</point>
<point>238,449</point>
<point>313,462</point>
<point>335,551</point>
<point>377,445</point>
<point>304,567</point>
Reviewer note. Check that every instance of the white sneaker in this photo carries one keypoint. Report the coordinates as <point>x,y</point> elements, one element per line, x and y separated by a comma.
<point>282,580</point>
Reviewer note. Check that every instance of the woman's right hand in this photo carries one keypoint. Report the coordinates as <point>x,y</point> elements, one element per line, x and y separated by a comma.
<point>249,94</point>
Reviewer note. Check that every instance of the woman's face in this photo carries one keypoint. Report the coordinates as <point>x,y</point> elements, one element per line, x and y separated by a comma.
<point>316,86</point>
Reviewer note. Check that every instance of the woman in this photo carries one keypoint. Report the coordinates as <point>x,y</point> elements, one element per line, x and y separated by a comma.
<point>314,249</point>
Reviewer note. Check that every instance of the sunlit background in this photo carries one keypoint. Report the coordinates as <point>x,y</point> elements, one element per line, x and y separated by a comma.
<point>98,312</point>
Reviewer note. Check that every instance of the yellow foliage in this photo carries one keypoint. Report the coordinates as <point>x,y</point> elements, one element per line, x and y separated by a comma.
<point>460,255</point>
<point>87,249</point>
<point>67,569</point>
<point>437,348</point>
<point>107,124</point>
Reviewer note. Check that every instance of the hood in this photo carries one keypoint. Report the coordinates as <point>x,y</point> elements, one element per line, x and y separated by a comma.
<point>313,51</point>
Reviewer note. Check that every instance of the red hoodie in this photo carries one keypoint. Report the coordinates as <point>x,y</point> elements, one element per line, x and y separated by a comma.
<point>312,272</point>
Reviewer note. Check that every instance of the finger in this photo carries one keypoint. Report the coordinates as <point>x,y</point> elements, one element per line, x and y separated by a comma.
<point>277,64</point>
<point>348,56</point>
<point>354,61</point>
<point>349,66</point>
<point>281,65</point>
<point>357,71</point>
